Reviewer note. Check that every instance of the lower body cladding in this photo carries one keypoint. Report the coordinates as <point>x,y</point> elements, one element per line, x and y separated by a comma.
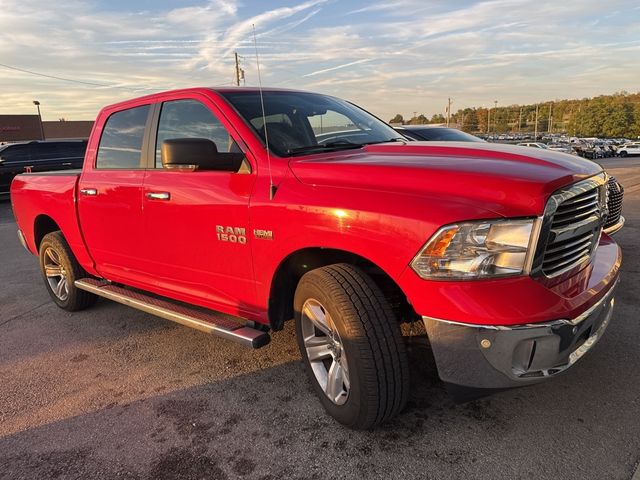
<point>500,357</point>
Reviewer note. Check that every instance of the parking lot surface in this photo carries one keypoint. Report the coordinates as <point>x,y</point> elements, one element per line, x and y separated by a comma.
<point>111,392</point>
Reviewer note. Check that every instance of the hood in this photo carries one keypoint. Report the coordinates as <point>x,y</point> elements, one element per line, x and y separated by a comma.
<point>506,179</point>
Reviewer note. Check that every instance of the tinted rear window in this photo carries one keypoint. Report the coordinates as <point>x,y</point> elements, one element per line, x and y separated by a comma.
<point>55,150</point>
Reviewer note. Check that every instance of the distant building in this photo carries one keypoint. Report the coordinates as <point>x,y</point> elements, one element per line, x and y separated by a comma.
<point>67,129</point>
<point>15,128</point>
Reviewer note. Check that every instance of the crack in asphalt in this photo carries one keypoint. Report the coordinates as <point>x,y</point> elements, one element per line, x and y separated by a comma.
<point>23,313</point>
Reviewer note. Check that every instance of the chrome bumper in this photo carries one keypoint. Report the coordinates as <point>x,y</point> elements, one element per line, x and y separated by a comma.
<point>615,227</point>
<point>23,241</point>
<point>491,357</point>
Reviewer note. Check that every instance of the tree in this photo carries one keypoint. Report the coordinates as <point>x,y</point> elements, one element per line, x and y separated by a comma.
<point>482,116</point>
<point>467,119</point>
<point>397,119</point>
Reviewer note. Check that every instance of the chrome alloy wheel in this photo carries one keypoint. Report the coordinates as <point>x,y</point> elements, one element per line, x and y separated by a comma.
<point>56,274</point>
<point>325,351</point>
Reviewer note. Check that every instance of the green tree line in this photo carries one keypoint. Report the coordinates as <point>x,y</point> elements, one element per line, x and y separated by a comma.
<point>616,115</point>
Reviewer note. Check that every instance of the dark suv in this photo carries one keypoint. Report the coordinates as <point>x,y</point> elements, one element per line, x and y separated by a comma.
<point>38,156</point>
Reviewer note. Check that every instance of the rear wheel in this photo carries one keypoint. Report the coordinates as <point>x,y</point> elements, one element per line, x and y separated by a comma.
<point>351,345</point>
<point>60,270</point>
<point>623,153</point>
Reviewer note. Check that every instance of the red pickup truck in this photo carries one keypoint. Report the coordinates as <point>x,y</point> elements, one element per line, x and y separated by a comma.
<point>280,204</point>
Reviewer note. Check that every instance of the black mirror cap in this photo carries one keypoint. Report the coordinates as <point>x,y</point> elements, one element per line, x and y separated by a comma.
<point>199,152</point>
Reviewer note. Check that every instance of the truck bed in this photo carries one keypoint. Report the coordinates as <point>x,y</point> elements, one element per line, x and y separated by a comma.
<point>41,198</point>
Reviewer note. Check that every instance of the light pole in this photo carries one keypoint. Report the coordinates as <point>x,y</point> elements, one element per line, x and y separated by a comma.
<point>488,119</point>
<point>37,104</point>
<point>495,114</point>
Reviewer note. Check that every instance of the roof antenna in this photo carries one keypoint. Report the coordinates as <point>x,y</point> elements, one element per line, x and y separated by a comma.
<point>272,187</point>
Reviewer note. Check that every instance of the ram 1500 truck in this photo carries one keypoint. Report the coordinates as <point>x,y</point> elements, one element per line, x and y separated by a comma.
<point>277,204</point>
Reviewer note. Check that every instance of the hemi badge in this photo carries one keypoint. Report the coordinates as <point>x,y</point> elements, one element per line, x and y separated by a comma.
<point>263,234</point>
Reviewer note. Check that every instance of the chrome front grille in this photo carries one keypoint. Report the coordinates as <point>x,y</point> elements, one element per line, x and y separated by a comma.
<point>571,226</point>
<point>614,202</point>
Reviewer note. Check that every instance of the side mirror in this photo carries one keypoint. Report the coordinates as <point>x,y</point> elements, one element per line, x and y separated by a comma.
<point>191,154</point>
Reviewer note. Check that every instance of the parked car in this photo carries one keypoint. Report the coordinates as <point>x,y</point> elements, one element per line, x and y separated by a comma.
<point>38,156</point>
<point>629,149</point>
<point>223,199</point>
<point>561,147</point>
<point>436,134</point>
<point>533,145</point>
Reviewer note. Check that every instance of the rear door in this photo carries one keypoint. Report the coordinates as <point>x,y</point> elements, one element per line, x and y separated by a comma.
<point>197,228</point>
<point>110,196</point>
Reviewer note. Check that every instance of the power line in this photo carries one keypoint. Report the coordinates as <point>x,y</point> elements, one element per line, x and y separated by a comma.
<point>30,72</point>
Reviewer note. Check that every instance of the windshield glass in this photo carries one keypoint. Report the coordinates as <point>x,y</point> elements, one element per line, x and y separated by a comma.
<point>299,122</point>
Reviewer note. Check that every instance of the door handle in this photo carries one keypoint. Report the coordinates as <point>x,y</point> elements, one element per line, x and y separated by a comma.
<point>158,195</point>
<point>91,192</point>
<point>66,164</point>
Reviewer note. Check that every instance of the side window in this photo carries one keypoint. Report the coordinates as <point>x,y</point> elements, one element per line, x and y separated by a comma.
<point>191,119</point>
<point>121,141</point>
<point>44,151</point>
<point>16,153</point>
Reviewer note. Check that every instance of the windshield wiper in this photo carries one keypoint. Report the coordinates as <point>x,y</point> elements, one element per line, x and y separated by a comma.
<point>394,139</point>
<point>339,145</point>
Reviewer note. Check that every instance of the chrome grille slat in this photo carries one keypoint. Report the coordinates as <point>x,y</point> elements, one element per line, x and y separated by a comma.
<point>568,220</point>
<point>580,239</point>
<point>559,263</point>
<point>564,251</point>
<point>591,206</point>
<point>577,199</point>
<point>574,221</point>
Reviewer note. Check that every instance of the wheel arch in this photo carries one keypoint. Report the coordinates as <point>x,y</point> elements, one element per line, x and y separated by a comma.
<point>291,269</point>
<point>42,225</point>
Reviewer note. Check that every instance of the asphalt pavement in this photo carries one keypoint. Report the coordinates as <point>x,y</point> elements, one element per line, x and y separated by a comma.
<point>111,392</point>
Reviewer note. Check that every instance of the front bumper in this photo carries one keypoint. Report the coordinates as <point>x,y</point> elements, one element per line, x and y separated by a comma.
<point>494,357</point>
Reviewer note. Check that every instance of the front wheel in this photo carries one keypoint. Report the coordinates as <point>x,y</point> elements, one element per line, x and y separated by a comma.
<point>60,270</point>
<point>623,154</point>
<point>351,346</point>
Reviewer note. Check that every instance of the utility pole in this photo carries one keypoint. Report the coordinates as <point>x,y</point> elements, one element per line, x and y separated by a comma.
<point>448,110</point>
<point>237,71</point>
<point>550,119</point>
<point>535,135</point>
<point>495,114</point>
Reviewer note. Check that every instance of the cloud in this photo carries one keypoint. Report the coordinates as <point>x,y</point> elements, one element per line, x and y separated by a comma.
<point>390,57</point>
<point>337,67</point>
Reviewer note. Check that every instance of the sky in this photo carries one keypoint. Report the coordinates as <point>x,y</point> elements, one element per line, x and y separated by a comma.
<point>394,56</point>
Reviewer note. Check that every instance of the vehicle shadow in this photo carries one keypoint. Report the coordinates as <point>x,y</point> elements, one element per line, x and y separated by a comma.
<point>267,424</point>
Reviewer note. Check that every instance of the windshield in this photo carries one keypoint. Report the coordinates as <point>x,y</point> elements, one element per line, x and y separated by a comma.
<point>299,122</point>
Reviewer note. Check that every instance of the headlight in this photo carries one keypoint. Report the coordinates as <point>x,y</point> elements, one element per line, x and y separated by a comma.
<point>483,249</point>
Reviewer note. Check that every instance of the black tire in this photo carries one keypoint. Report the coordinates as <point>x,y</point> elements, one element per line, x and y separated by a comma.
<point>54,250</point>
<point>623,153</point>
<point>370,338</point>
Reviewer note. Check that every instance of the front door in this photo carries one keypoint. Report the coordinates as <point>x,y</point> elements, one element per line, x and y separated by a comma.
<point>198,242</point>
<point>110,197</point>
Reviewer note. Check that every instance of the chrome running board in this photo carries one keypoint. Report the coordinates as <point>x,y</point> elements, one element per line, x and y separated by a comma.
<point>215,324</point>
